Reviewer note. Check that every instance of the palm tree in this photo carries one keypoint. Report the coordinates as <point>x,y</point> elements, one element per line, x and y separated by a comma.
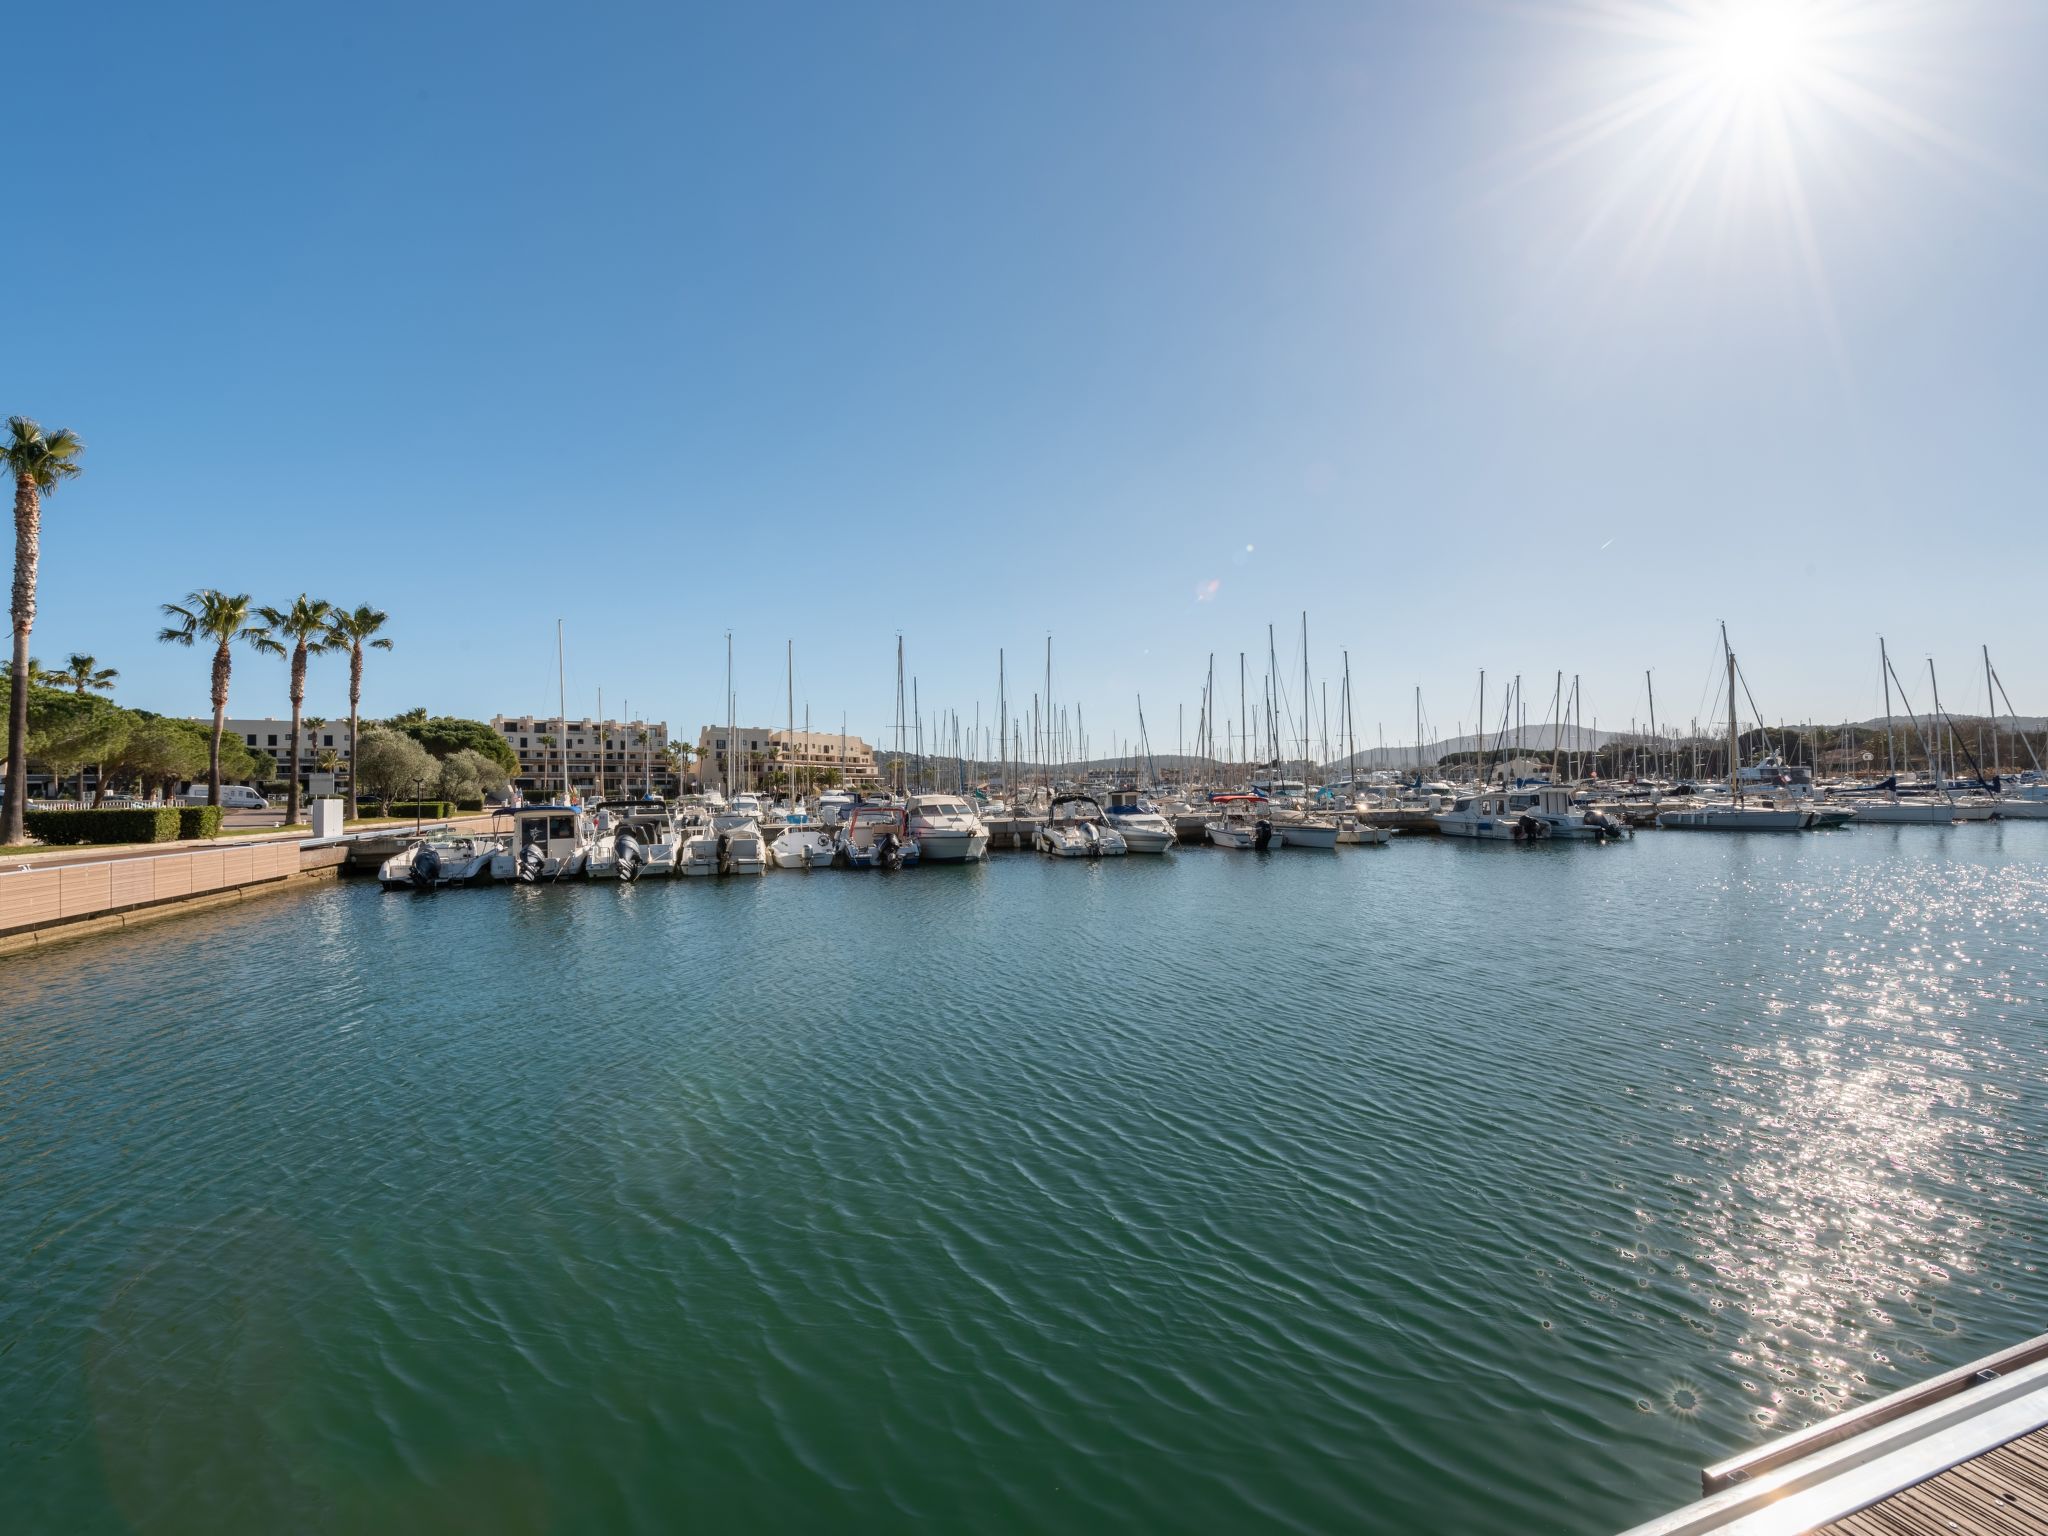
<point>353,629</point>
<point>80,673</point>
<point>39,462</point>
<point>309,625</point>
<point>223,618</point>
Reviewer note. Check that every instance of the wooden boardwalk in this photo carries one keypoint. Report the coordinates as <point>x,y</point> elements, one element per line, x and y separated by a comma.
<point>2003,1492</point>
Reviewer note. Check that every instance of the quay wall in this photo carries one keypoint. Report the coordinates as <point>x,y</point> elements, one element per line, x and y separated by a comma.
<point>56,903</point>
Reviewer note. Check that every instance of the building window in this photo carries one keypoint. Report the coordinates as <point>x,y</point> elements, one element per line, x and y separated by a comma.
<point>328,742</point>
<point>273,738</point>
<point>252,739</point>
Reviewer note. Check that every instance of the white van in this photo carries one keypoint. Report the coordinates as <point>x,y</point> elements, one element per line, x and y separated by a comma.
<point>233,797</point>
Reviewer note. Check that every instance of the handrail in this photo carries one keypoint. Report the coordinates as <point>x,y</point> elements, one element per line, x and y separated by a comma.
<point>1845,1426</point>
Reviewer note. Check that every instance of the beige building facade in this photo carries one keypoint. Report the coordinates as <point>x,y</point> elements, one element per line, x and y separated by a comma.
<point>746,757</point>
<point>608,757</point>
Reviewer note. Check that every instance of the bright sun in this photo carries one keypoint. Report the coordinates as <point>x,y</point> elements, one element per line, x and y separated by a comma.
<point>1755,45</point>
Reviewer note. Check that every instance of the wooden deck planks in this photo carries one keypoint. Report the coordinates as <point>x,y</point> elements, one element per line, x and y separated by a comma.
<point>2003,1492</point>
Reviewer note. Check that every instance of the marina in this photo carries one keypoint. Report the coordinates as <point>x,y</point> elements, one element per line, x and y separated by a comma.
<point>1128,1241</point>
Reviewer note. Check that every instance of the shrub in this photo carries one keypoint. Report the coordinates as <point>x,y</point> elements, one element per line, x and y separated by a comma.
<point>103,826</point>
<point>470,807</point>
<point>432,808</point>
<point>369,810</point>
<point>199,821</point>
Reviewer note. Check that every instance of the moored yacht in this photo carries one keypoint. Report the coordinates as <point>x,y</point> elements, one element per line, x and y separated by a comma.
<point>1145,828</point>
<point>946,830</point>
<point>1241,822</point>
<point>803,843</point>
<point>874,837</point>
<point>1075,828</point>
<point>1486,817</point>
<point>548,843</point>
<point>634,838</point>
<point>741,848</point>
<point>428,863</point>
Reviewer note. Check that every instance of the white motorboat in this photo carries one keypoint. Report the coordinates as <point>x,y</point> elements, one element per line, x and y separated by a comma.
<point>429,863</point>
<point>803,843</point>
<point>634,838</point>
<point>1361,834</point>
<point>1145,827</point>
<point>1487,817</point>
<point>2022,808</point>
<point>875,837</point>
<point>1299,829</point>
<point>696,841</point>
<point>742,850</point>
<point>832,808</point>
<point>1241,822</point>
<point>1553,805</point>
<point>1075,828</point>
<point>549,842</point>
<point>946,829</point>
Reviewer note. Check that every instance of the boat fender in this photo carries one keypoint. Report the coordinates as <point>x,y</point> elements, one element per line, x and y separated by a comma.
<point>426,867</point>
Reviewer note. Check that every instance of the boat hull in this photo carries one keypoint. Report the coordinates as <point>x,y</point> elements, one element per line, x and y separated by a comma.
<point>950,847</point>
<point>1735,819</point>
<point>1305,837</point>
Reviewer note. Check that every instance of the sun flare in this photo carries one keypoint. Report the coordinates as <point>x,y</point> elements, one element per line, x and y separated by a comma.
<point>1756,47</point>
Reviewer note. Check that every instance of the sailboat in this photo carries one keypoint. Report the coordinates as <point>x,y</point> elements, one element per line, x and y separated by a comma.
<point>1737,815</point>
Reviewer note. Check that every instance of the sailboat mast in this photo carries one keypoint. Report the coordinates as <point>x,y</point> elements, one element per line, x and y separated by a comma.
<point>1652,687</point>
<point>789,743</point>
<point>561,703</point>
<point>1480,740</point>
<point>1734,777</point>
<point>1884,662</point>
<point>1304,698</point>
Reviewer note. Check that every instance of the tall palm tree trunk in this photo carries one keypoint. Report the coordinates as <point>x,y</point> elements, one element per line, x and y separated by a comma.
<point>291,791</point>
<point>355,700</point>
<point>28,518</point>
<point>222,666</point>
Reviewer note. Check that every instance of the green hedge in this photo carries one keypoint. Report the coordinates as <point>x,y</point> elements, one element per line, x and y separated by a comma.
<point>469,807</point>
<point>199,821</point>
<point>369,810</point>
<point>419,808</point>
<point>158,826</point>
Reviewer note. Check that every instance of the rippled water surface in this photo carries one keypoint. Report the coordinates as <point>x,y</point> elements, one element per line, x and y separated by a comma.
<point>1426,1188</point>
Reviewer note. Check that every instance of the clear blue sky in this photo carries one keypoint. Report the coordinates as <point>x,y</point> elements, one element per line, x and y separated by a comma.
<point>1492,335</point>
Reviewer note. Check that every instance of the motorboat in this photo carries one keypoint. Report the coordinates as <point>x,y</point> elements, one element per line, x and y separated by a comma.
<point>832,808</point>
<point>1075,828</point>
<point>1488,817</point>
<point>696,841</point>
<point>1241,822</point>
<point>634,838</point>
<point>428,863</point>
<point>1145,827</point>
<point>1300,829</point>
<point>1892,810</point>
<point>1563,817</point>
<point>946,829</point>
<point>803,843</point>
<point>548,843</point>
<point>1354,830</point>
<point>875,837</point>
<point>742,850</point>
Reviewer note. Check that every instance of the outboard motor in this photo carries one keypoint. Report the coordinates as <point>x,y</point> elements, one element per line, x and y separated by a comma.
<point>626,848</point>
<point>426,867</point>
<point>533,859</point>
<point>1532,827</point>
<point>1262,838</point>
<point>889,852</point>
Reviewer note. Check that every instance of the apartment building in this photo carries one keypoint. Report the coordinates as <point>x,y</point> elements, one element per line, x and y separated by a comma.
<point>618,758</point>
<point>756,752</point>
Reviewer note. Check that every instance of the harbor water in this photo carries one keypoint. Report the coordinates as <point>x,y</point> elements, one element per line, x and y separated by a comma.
<point>1430,1188</point>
